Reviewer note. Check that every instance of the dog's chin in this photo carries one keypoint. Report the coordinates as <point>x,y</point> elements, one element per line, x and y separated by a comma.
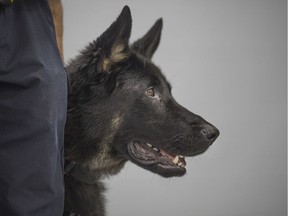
<point>156,160</point>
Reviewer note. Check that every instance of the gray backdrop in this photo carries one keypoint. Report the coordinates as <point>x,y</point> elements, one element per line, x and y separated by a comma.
<point>226,60</point>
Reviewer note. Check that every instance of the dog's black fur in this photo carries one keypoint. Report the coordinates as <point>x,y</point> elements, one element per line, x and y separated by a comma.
<point>121,109</point>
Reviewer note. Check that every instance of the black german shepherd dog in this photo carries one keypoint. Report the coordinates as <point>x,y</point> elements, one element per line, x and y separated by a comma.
<point>121,109</point>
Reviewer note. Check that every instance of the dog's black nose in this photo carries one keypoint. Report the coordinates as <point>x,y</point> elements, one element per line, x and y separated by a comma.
<point>210,132</point>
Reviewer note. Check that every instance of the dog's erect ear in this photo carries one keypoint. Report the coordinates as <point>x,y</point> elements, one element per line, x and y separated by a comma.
<point>148,44</point>
<point>113,43</point>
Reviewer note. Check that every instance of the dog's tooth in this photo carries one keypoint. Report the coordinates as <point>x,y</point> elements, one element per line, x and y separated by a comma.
<point>176,159</point>
<point>180,164</point>
<point>181,156</point>
<point>156,149</point>
<point>148,144</point>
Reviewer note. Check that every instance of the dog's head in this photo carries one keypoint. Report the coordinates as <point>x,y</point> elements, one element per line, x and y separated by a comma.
<point>122,108</point>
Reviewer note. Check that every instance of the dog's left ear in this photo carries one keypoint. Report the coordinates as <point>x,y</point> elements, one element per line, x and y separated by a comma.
<point>148,44</point>
<point>113,43</point>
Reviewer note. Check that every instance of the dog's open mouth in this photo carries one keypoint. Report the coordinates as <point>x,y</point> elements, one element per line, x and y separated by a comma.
<point>157,160</point>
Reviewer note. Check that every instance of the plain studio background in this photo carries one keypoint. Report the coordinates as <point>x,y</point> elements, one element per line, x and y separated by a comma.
<point>226,61</point>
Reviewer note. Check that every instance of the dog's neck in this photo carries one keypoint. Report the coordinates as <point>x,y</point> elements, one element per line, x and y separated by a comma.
<point>92,171</point>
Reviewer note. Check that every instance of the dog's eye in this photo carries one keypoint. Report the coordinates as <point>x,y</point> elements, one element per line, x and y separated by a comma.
<point>150,92</point>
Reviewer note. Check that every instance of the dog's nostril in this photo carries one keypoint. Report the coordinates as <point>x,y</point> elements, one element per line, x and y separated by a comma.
<point>210,132</point>
<point>212,136</point>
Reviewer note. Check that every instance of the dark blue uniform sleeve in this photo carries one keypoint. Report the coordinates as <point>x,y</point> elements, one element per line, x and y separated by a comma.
<point>33,101</point>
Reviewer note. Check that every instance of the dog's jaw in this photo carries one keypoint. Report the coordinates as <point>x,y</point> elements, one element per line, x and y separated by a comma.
<point>156,160</point>
<point>105,166</point>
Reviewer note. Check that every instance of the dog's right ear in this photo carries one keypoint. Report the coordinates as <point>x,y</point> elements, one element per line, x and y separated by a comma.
<point>112,45</point>
<point>148,44</point>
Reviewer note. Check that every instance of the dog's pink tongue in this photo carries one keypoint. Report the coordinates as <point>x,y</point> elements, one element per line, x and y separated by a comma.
<point>175,159</point>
